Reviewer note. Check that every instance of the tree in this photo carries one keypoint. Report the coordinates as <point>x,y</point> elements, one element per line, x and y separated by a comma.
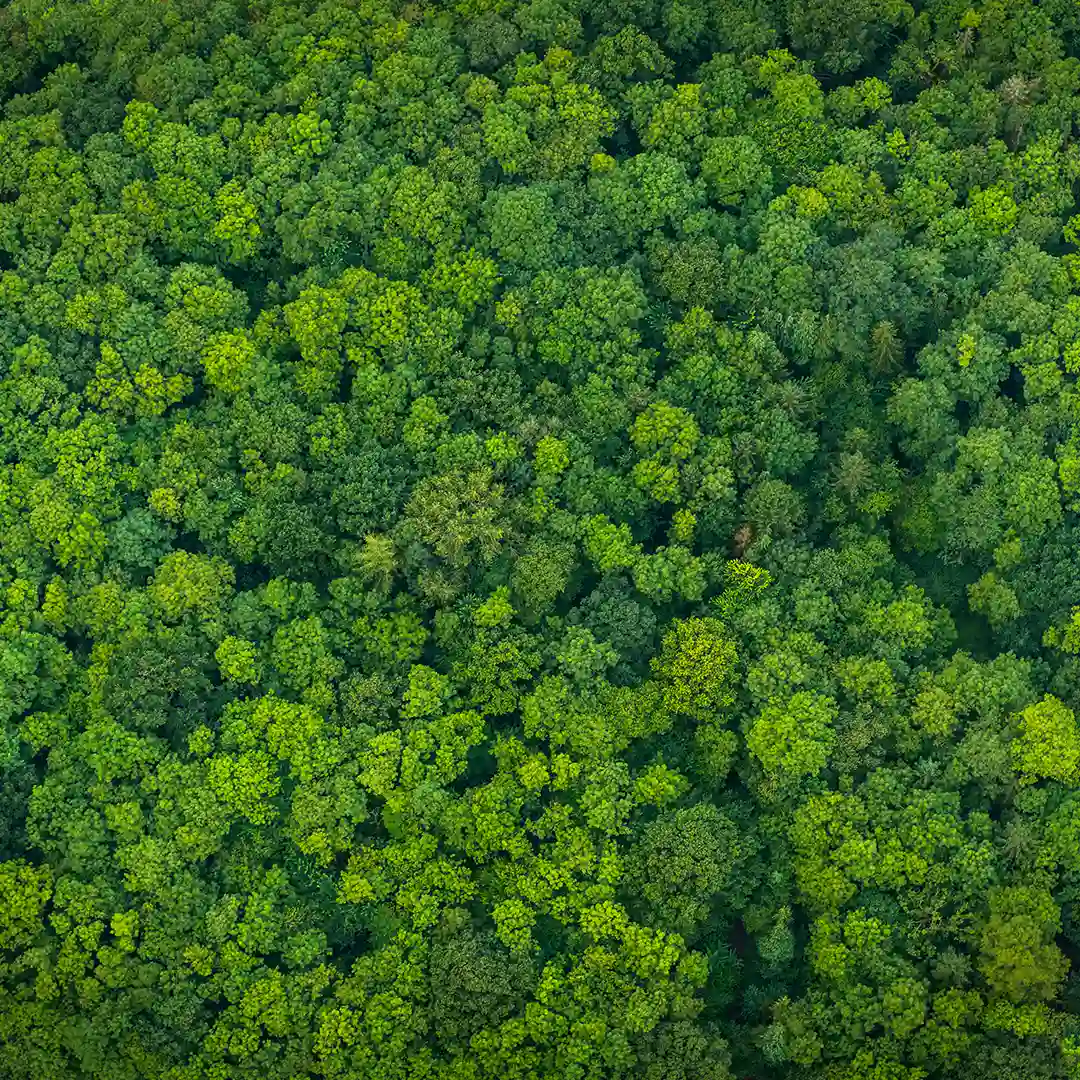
<point>1017,956</point>
<point>696,659</point>
<point>1048,744</point>
<point>682,864</point>
<point>792,740</point>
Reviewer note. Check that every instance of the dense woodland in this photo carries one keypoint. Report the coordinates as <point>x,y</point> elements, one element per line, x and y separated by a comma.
<point>539,541</point>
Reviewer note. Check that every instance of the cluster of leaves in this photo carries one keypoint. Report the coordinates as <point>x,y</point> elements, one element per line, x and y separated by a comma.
<point>539,539</point>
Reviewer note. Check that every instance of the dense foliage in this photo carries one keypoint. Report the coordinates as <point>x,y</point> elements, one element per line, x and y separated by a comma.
<point>539,540</point>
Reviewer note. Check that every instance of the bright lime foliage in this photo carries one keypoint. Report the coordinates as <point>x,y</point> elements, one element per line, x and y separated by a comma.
<point>793,739</point>
<point>238,660</point>
<point>1018,956</point>
<point>696,660</point>
<point>1048,744</point>
<point>539,540</point>
<point>26,890</point>
<point>229,361</point>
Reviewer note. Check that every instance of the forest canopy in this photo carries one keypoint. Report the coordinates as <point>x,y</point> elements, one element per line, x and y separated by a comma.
<point>539,540</point>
